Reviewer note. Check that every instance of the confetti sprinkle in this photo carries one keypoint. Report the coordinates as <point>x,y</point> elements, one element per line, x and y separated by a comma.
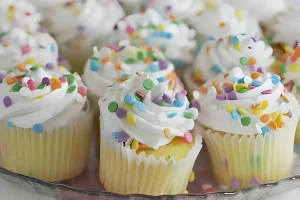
<point>148,84</point>
<point>113,106</point>
<point>7,101</point>
<point>38,128</point>
<point>131,119</point>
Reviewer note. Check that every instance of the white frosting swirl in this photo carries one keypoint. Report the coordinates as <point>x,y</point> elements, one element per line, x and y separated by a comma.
<point>243,104</point>
<point>108,64</point>
<point>223,21</point>
<point>18,46</point>
<point>220,56</point>
<point>174,38</point>
<point>147,121</point>
<point>18,13</point>
<point>33,95</point>
<point>265,11</point>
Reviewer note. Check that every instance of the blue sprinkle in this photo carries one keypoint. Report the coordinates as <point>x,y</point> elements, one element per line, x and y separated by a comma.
<point>216,68</point>
<point>38,128</point>
<point>235,114</point>
<point>236,80</point>
<point>156,34</point>
<point>256,83</point>
<point>177,103</point>
<point>172,115</point>
<point>94,65</point>
<point>10,124</point>
<point>153,67</point>
<point>169,35</point>
<point>115,135</point>
<point>140,106</point>
<point>129,99</point>
<point>275,79</point>
<point>211,38</point>
<point>52,48</point>
<point>161,79</point>
<point>265,129</point>
<point>178,63</point>
<point>241,80</point>
<point>125,75</point>
<point>234,40</point>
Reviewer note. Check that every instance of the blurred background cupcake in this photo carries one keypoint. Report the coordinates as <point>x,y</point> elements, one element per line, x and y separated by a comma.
<point>133,6</point>
<point>146,138</point>
<point>248,124</point>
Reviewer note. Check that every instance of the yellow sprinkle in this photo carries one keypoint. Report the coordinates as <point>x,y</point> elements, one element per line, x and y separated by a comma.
<point>30,60</point>
<point>257,112</point>
<point>192,176</point>
<point>238,46</point>
<point>274,115</point>
<point>135,35</point>
<point>294,67</point>
<point>161,27</point>
<point>230,107</point>
<point>171,86</point>
<point>278,119</point>
<point>131,119</point>
<point>112,53</point>
<point>127,106</point>
<point>62,68</point>
<point>167,133</point>
<point>11,15</point>
<point>198,75</point>
<point>130,52</point>
<point>242,111</point>
<point>239,14</point>
<point>40,96</point>
<point>75,10</point>
<point>239,86</point>
<point>264,105</point>
<point>289,49</point>
<point>134,145</point>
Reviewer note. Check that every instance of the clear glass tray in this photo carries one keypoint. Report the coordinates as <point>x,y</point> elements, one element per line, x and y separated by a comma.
<point>88,187</point>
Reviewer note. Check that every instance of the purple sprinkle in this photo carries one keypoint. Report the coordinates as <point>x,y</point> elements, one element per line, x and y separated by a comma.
<point>232,95</point>
<point>179,95</point>
<point>85,107</point>
<point>167,98</point>
<point>121,112</point>
<point>296,44</point>
<point>228,88</point>
<point>157,99</point>
<point>290,114</point>
<point>221,97</point>
<point>251,68</point>
<point>122,136</point>
<point>7,101</point>
<point>81,28</point>
<point>162,64</point>
<point>2,76</point>
<point>255,181</point>
<point>49,66</point>
<point>254,39</point>
<point>260,70</point>
<point>235,183</point>
<point>195,104</point>
<point>46,81</point>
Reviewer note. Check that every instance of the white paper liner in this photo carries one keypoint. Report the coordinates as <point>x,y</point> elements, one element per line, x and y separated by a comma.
<point>266,158</point>
<point>122,171</point>
<point>297,136</point>
<point>54,155</point>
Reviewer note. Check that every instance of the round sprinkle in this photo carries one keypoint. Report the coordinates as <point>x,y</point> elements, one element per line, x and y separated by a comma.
<point>131,119</point>
<point>129,99</point>
<point>94,65</point>
<point>166,98</point>
<point>246,121</point>
<point>135,145</point>
<point>195,104</point>
<point>38,128</point>
<point>34,68</point>
<point>63,79</point>
<point>113,106</point>
<point>70,78</point>
<point>161,79</point>
<point>172,115</point>
<point>234,40</point>
<point>177,103</point>
<point>275,79</point>
<point>153,67</point>
<point>255,181</point>
<point>71,89</point>
<point>30,60</point>
<point>232,95</point>
<point>260,70</point>
<point>188,137</point>
<point>148,84</point>
<point>235,183</point>
<point>162,64</point>
<point>7,101</point>
<point>188,115</point>
<point>256,83</point>
<point>46,81</point>
<point>244,61</point>
<point>216,69</point>
<point>221,97</point>
<point>16,88</point>
<point>31,84</point>
<point>235,114</point>
<point>49,66</point>
<point>140,55</point>
<point>10,124</point>
<point>167,133</point>
<point>140,106</point>
<point>180,95</point>
<point>82,91</point>
<point>121,112</point>
<point>265,129</point>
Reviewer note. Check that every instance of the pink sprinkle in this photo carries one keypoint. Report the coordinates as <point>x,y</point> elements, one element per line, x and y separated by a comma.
<point>140,94</point>
<point>25,49</point>
<point>63,79</point>
<point>31,84</point>
<point>252,87</point>
<point>27,13</point>
<point>188,137</point>
<point>129,29</point>
<point>267,92</point>
<point>82,91</point>
<point>114,47</point>
<point>220,40</point>
<point>184,92</point>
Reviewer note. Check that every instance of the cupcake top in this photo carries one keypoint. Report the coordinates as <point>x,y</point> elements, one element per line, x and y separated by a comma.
<point>174,38</point>
<point>223,21</point>
<point>18,13</point>
<point>241,104</point>
<point>264,11</point>
<point>220,56</point>
<point>32,95</point>
<point>133,6</point>
<point>17,46</point>
<point>148,112</point>
<point>107,65</point>
<point>92,19</point>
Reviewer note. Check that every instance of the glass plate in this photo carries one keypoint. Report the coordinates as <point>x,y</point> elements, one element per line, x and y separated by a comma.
<point>88,187</point>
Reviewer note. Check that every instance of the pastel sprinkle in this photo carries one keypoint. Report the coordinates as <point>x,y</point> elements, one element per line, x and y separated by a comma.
<point>244,61</point>
<point>34,68</point>
<point>166,98</point>
<point>55,84</point>
<point>235,114</point>
<point>30,60</point>
<point>232,95</point>
<point>167,133</point>
<point>10,124</point>
<point>162,64</point>
<point>230,107</point>
<point>131,119</point>
<point>38,128</point>
<point>41,86</point>
<point>148,84</point>
<point>234,40</point>
<point>216,69</point>
<point>134,145</point>
<point>254,181</point>
<point>63,79</point>
<point>242,111</point>
<point>121,112</point>
<point>188,137</point>
<point>70,78</point>
<point>82,90</point>
<point>172,115</point>
<point>16,88</point>
<point>94,65</point>
<point>235,183</point>
<point>177,103</point>
<point>140,106</point>
<point>31,84</point>
<point>246,121</point>
<point>122,136</point>
<point>71,89</point>
<point>275,79</point>
<point>49,66</point>
<point>129,99</point>
<point>188,115</point>
<point>256,83</point>
<point>153,67</point>
<point>46,81</point>
<point>157,98</point>
<point>7,101</point>
<point>195,104</point>
<point>221,97</point>
<point>113,106</point>
<point>161,79</point>
<point>265,129</point>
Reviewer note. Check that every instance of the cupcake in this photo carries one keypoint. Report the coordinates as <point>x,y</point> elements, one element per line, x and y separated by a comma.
<point>265,11</point>
<point>220,56</point>
<point>146,143</point>
<point>79,25</point>
<point>222,21</point>
<point>105,67</point>
<point>173,37</point>
<point>45,122</point>
<point>248,124</point>
<point>132,6</point>
<point>18,13</point>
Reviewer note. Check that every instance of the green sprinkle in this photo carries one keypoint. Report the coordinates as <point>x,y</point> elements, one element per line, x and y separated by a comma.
<point>150,54</point>
<point>176,22</point>
<point>71,89</point>
<point>17,87</point>
<point>70,78</point>
<point>298,89</point>
<point>94,58</point>
<point>246,121</point>
<point>41,86</point>
<point>163,103</point>
<point>163,48</point>
<point>243,90</point>
<point>34,68</point>
<point>244,61</point>
<point>113,106</point>
<point>14,70</point>
<point>138,98</point>
<point>130,61</point>
<point>282,69</point>
<point>188,115</point>
<point>140,55</point>
<point>148,84</point>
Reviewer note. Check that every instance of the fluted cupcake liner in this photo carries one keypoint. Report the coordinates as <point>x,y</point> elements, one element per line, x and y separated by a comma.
<point>54,155</point>
<point>122,171</point>
<point>240,161</point>
<point>297,137</point>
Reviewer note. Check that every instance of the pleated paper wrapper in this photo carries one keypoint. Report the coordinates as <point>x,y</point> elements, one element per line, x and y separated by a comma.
<point>54,155</point>
<point>122,171</point>
<point>297,137</point>
<point>246,160</point>
<point>96,122</point>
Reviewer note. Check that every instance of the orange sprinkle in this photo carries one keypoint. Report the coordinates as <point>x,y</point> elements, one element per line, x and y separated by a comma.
<point>150,49</point>
<point>207,50</point>
<point>285,57</point>
<point>22,67</point>
<point>272,125</point>
<point>137,73</point>
<point>252,61</point>
<point>147,60</point>
<point>121,79</point>
<point>215,84</point>
<point>172,76</point>
<point>5,44</point>
<point>117,65</point>
<point>105,60</point>
<point>297,52</point>
<point>10,81</point>
<point>222,24</point>
<point>265,118</point>
<point>167,133</point>
<point>143,146</point>
<point>284,98</point>
<point>255,106</point>
<point>226,74</point>
<point>172,17</point>
<point>255,75</point>
<point>143,44</point>
<point>55,84</point>
<point>294,58</point>
<point>203,89</point>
